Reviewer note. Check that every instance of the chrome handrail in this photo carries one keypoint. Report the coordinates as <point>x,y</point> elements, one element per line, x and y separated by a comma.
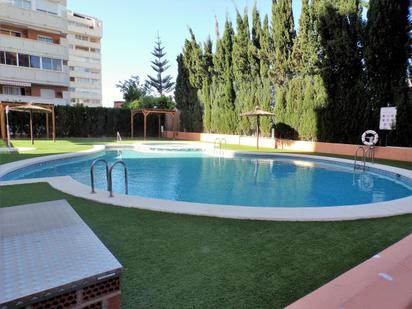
<point>356,157</point>
<point>110,188</point>
<point>370,153</point>
<point>92,174</point>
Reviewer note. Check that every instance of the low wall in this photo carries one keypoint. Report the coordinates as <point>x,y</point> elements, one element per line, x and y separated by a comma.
<point>390,153</point>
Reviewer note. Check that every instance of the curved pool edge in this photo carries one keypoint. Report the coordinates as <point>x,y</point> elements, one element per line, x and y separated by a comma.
<point>70,186</point>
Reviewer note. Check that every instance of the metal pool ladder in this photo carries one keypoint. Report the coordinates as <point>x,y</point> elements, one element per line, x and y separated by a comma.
<point>92,174</point>
<point>368,153</point>
<point>218,144</point>
<point>109,179</point>
<point>126,187</point>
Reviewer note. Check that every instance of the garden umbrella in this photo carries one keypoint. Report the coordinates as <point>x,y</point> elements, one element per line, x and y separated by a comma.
<point>29,108</point>
<point>257,113</point>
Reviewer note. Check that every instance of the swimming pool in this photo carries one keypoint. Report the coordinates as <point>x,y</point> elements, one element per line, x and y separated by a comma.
<point>244,180</point>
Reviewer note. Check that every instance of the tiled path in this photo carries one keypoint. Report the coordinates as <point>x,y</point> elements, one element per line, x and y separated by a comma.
<point>381,282</point>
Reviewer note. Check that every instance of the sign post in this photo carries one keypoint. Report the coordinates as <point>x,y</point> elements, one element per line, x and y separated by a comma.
<point>387,120</point>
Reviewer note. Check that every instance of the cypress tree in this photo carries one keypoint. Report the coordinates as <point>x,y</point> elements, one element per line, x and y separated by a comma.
<point>241,72</point>
<point>184,94</point>
<point>342,118</point>
<point>205,96</point>
<point>283,33</point>
<point>161,83</point>
<point>266,48</point>
<point>387,49</point>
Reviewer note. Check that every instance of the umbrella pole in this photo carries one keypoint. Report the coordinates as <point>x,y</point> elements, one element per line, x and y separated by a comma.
<point>31,127</point>
<point>257,133</point>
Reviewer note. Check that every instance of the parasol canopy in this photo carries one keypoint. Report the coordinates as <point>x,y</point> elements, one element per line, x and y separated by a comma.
<point>257,113</point>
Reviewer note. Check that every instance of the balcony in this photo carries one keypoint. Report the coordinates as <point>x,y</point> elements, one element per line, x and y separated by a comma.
<point>37,76</point>
<point>34,47</point>
<point>42,20</point>
<point>32,99</point>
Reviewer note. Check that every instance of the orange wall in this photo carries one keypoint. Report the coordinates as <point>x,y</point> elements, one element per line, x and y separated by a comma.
<point>390,153</point>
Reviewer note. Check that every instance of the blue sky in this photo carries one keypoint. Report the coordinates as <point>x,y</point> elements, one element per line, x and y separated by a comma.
<point>130,27</point>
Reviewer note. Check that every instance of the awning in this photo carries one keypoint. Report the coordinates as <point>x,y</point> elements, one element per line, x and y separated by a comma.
<point>14,83</point>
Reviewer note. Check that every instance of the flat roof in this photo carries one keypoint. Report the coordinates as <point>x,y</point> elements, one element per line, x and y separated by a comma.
<point>47,248</point>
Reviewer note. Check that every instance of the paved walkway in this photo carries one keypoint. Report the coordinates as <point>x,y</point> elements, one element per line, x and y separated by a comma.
<point>381,282</point>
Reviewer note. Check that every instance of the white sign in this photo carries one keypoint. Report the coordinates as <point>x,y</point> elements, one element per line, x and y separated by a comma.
<point>388,118</point>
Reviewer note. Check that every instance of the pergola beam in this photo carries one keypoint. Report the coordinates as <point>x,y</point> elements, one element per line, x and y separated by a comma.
<point>24,107</point>
<point>146,112</point>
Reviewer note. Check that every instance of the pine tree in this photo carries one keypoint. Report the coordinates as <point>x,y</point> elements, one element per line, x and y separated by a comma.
<point>386,54</point>
<point>162,84</point>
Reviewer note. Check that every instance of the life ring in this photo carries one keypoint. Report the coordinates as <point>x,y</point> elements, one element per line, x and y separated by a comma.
<point>370,140</point>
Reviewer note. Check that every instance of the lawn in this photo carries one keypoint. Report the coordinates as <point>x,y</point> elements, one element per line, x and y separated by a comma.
<point>182,261</point>
<point>48,147</point>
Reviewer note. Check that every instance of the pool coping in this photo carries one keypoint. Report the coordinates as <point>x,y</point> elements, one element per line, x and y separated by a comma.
<point>70,186</point>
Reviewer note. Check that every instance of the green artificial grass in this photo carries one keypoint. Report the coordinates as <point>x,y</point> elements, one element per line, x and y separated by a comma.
<point>48,147</point>
<point>181,261</point>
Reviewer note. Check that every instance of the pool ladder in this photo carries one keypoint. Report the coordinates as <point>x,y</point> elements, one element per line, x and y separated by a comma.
<point>218,145</point>
<point>368,153</point>
<point>109,178</point>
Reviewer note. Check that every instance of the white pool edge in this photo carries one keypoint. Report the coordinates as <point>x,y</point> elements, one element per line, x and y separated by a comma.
<point>70,186</point>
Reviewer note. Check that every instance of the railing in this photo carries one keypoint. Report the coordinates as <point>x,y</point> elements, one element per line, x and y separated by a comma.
<point>356,157</point>
<point>92,174</point>
<point>111,178</point>
<point>218,144</point>
<point>368,153</point>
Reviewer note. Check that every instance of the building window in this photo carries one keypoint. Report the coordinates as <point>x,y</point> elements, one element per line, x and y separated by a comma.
<point>45,38</point>
<point>46,63</point>
<point>35,62</point>
<point>9,90</point>
<point>23,4</point>
<point>72,79</point>
<point>10,32</point>
<point>82,48</point>
<point>11,58</point>
<point>24,60</point>
<point>2,57</point>
<point>81,37</point>
<point>47,93</point>
<point>57,65</point>
<point>94,40</point>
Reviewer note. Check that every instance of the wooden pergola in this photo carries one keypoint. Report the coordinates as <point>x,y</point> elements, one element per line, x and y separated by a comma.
<point>146,112</point>
<point>29,108</point>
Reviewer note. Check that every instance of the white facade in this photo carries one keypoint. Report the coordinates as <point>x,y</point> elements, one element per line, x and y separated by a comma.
<point>34,51</point>
<point>49,54</point>
<point>84,36</point>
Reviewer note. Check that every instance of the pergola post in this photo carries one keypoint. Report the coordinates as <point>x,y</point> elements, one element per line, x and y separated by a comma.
<point>47,125</point>
<point>144,124</point>
<point>173,126</point>
<point>131,123</point>
<point>54,124</point>
<point>2,122</point>
<point>159,120</point>
<point>31,127</point>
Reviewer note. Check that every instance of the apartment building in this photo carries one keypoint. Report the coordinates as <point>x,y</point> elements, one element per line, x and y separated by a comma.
<point>84,35</point>
<point>49,54</point>
<point>34,51</point>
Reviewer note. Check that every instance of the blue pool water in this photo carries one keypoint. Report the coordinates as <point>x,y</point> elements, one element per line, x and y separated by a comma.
<point>249,181</point>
